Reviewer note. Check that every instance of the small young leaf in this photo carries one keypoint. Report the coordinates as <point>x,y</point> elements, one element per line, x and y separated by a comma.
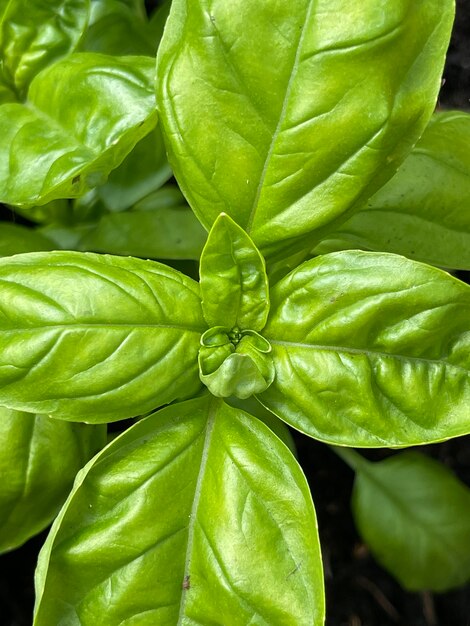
<point>198,514</point>
<point>234,285</point>
<point>240,368</point>
<point>83,116</point>
<point>39,458</point>
<point>423,212</point>
<point>414,514</point>
<point>35,33</point>
<point>95,338</point>
<point>309,105</point>
<point>370,350</point>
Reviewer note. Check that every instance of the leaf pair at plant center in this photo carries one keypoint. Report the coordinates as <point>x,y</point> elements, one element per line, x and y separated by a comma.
<point>234,359</point>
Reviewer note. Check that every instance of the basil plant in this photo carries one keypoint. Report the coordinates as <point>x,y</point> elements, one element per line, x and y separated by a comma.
<point>322,197</point>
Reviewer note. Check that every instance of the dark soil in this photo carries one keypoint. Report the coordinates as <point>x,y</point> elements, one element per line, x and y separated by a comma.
<point>359,592</point>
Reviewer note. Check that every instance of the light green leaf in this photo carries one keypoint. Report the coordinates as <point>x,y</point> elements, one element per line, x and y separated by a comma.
<point>308,106</point>
<point>198,514</point>
<point>232,364</point>
<point>116,27</point>
<point>39,458</point>
<point>142,172</point>
<point>414,514</point>
<point>15,239</point>
<point>423,212</point>
<point>35,33</point>
<point>83,116</point>
<point>370,350</point>
<point>96,338</point>
<point>234,285</point>
<point>159,234</point>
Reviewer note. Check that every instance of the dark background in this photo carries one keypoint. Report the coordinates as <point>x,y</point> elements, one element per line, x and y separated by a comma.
<point>359,592</point>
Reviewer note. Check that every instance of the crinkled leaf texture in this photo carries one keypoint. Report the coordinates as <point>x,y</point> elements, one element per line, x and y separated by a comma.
<point>370,350</point>
<point>96,338</point>
<point>423,212</point>
<point>197,515</point>
<point>414,514</point>
<point>309,106</point>
<point>39,458</point>
<point>83,115</point>
<point>35,33</point>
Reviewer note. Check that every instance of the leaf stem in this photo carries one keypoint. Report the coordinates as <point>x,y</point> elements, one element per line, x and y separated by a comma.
<point>350,456</point>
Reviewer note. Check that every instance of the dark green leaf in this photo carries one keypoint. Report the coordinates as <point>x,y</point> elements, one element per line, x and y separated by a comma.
<point>370,350</point>
<point>414,514</point>
<point>39,458</point>
<point>15,239</point>
<point>96,338</point>
<point>309,106</point>
<point>196,515</point>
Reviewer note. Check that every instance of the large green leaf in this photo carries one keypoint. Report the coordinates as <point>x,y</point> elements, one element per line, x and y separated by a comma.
<point>39,458</point>
<point>83,116</point>
<point>424,211</point>
<point>198,514</point>
<point>234,284</point>
<point>35,33</point>
<point>414,514</point>
<point>370,350</point>
<point>96,338</point>
<point>287,115</point>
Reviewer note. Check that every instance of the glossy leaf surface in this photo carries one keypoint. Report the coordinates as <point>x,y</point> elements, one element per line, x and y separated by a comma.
<point>234,285</point>
<point>309,106</point>
<point>370,350</point>
<point>96,338</point>
<point>83,116</point>
<point>39,458</point>
<point>414,514</point>
<point>35,33</point>
<point>423,212</point>
<point>198,514</point>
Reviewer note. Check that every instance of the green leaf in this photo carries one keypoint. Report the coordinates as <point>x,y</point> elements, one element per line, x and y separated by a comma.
<point>116,27</point>
<point>39,458</point>
<point>95,338</point>
<point>159,234</point>
<point>15,239</point>
<point>309,106</point>
<point>35,33</point>
<point>83,116</point>
<point>414,514</point>
<point>198,514</point>
<point>232,364</point>
<point>142,172</point>
<point>423,212</point>
<point>370,350</point>
<point>234,285</point>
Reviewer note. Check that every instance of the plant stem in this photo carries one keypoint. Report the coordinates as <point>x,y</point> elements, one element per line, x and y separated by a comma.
<point>350,456</point>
